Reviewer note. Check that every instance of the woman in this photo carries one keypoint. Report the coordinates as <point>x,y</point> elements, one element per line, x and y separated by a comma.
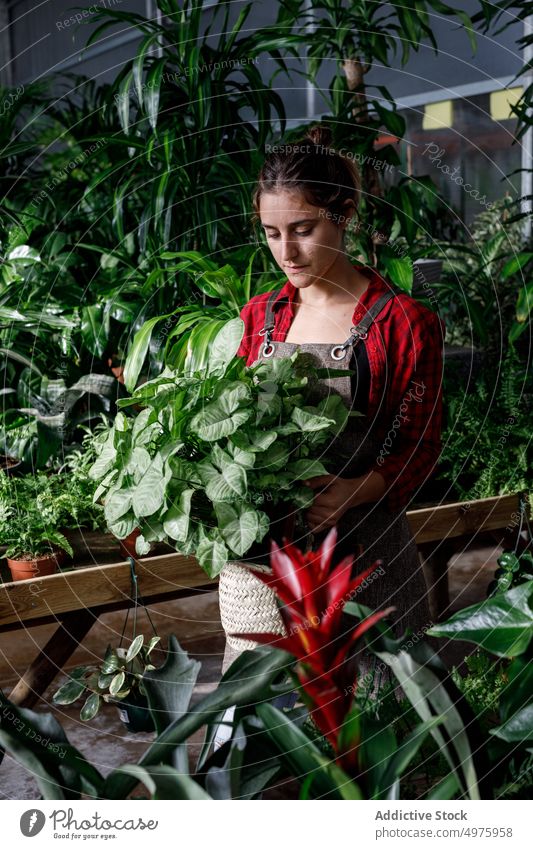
<point>347,316</point>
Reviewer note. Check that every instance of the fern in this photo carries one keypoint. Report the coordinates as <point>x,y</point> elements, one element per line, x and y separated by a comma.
<point>520,780</point>
<point>487,436</point>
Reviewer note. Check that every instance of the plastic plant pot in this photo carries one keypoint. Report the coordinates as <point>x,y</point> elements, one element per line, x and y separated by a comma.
<point>134,713</point>
<point>36,567</point>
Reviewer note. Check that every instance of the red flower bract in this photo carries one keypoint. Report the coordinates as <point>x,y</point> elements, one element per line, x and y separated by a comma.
<point>313,594</point>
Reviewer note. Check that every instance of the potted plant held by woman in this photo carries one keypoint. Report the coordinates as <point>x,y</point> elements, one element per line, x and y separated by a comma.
<point>210,449</point>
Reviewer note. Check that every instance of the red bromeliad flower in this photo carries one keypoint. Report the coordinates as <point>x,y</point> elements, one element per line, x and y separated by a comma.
<point>313,595</point>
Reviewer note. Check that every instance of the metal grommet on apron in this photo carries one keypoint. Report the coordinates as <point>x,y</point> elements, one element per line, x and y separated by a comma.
<point>381,533</point>
<point>267,348</point>
<point>356,335</point>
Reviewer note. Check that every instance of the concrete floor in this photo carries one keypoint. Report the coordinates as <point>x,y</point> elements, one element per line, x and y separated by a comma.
<point>196,623</point>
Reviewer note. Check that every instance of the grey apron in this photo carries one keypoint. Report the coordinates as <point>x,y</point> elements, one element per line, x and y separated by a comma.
<point>370,531</point>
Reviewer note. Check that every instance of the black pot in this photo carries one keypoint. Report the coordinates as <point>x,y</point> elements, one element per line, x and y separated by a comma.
<point>135,714</point>
<point>425,272</point>
<point>462,365</point>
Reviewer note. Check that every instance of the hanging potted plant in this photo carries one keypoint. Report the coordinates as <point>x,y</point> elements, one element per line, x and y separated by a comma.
<point>118,680</point>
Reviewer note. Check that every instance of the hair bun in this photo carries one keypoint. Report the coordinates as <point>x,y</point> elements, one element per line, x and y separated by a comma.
<point>320,135</point>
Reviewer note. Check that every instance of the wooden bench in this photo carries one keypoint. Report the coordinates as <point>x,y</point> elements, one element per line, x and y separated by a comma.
<point>75,598</point>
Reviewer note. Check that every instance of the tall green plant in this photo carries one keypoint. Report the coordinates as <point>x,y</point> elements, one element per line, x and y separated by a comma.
<point>216,295</point>
<point>159,160</point>
<point>194,109</point>
<point>355,36</point>
<point>484,283</point>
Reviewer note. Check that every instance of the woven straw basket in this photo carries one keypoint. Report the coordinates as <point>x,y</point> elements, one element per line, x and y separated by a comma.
<point>246,604</point>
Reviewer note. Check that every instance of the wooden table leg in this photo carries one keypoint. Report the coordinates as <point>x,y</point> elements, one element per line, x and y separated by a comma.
<point>52,657</point>
<point>434,557</point>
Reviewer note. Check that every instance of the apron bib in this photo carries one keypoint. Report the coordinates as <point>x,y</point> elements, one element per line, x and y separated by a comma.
<point>369,532</point>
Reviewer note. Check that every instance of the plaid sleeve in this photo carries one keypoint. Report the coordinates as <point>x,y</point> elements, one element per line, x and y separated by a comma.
<point>411,447</point>
<point>244,347</point>
<point>253,315</point>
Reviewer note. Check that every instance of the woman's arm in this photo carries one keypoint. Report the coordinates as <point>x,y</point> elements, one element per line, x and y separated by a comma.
<point>336,495</point>
<point>412,444</point>
<point>411,440</point>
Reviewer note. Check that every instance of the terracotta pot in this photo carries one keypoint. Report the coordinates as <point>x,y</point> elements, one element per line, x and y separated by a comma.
<point>127,545</point>
<point>37,567</point>
<point>116,368</point>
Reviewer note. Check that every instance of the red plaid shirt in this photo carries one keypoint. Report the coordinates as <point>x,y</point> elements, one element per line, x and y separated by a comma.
<point>404,348</point>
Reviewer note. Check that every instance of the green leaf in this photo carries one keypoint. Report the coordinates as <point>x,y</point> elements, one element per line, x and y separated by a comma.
<point>69,693</point>
<point>250,679</point>
<point>152,91</point>
<point>91,707</point>
<point>519,690</point>
<point>117,504</point>
<point>123,102</point>
<point>161,781</point>
<point>225,346</point>
<point>400,272</point>
<point>524,303</point>
<point>111,661</point>
<point>117,683</point>
<point>124,527</point>
<point>138,463</point>
<point>105,460</point>
<point>310,422</point>
<point>138,351</point>
<point>94,329</point>
<point>276,457</point>
<point>152,644</point>
<point>502,624</point>
<point>518,728</point>
<point>445,789</point>
<point>61,771</point>
<point>176,520</point>
<point>142,546</point>
<point>138,63</point>
<point>515,264</point>
<point>430,698</point>
<point>215,423</point>
<point>212,555</point>
<point>396,765</point>
<point>304,469</point>
<point>134,648</point>
<point>169,690</point>
<point>149,494</point>
<point>304,758</point>
<point>230,483</point>
<point>238,525</point>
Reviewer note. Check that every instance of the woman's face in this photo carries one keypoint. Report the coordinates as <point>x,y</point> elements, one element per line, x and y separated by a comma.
<point>305,240</point>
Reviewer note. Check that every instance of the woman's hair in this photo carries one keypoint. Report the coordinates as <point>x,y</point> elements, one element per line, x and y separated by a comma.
<point>325,177</point>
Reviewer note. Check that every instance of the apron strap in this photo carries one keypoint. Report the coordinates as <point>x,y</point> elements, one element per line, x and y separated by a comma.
<point>360,331</point>
<point>338,352</point>
<point>269,325</point>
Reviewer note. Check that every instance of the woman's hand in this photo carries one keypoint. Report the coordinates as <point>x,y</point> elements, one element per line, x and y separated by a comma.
<point>337,495</point>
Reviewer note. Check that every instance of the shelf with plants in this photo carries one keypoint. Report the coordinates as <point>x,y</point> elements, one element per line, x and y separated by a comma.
<point>43,513</point>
